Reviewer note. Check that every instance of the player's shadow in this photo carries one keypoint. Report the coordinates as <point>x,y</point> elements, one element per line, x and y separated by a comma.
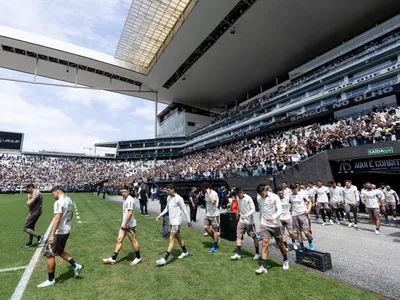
<point>208,244</point>
<point>130,257</point>
<point>395,234</point>
<point>67,276</point>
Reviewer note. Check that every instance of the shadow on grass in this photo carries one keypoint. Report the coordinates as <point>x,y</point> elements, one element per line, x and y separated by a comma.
<point>208,244</point>
<point>67,276</point>
<point>131,256</point>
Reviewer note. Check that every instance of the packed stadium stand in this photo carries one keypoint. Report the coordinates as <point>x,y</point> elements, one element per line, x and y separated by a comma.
<point>347,101</point>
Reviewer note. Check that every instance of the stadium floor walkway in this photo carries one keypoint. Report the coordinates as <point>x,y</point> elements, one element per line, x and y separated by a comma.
<point>359,257</point>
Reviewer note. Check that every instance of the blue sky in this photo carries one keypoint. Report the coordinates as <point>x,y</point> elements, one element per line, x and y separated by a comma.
<point>67,119</point>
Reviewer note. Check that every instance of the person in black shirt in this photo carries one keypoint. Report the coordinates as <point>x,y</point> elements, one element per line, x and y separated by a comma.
<point>144,197</point>
<point>194,202</point>
<point>163,203</point>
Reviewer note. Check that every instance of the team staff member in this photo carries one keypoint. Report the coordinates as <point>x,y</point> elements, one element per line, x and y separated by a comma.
<point>59,236</point>
<point>270,208</point>
<point>246,223</point>
<point>175,207</point>
<point>128,228</point>
<point>163,204</point>
<point>211,223</point>
<point>34,202</point>
<point>144,198</point>
<point>194,202</point>
<point>372,199</point>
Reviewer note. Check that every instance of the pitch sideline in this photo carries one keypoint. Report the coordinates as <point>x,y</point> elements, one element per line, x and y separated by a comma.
<point>23,282</point>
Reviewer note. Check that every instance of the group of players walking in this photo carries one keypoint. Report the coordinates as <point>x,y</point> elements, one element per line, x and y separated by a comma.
<point>288,210</point>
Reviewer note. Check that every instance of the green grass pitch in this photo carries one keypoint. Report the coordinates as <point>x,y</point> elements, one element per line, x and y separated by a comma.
<point>200,276</point>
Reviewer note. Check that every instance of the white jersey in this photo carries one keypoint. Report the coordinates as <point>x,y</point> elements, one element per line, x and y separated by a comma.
<point>175,207</point>
<point>391,196</point>
<point>351,194</point>
<point>128,205</point>
<point>211,209</point>
<point>371,198</point>
<point>382,194</point>
<point>311,192</point>
<point>63,206</point>
<point>287,192</point>
<point>306,193</point>
<point>285,208</point>
<point>298,203</point>
<point>270,207</point>
<point>336,194</point>
<point>322,194</point>
<point>246,208</point>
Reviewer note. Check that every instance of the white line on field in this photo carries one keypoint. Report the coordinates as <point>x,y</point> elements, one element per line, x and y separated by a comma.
<point>23,282</point>
<point>13,269</point>
<point>78,217</point>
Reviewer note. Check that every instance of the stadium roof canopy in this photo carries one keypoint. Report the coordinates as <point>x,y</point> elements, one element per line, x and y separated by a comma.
<point>203,53</point>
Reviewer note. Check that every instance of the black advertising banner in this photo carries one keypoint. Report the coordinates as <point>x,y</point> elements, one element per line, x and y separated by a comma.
<point>367,165</point>
<point>11,141</point>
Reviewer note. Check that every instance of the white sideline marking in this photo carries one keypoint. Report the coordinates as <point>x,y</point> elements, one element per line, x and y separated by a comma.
<point>78,217</point>
<point>79,222</point>
<point>13,269</point>
<point>23,282</point>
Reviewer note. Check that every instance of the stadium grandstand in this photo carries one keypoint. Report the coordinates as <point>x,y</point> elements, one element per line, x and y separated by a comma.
<point>256,93</point>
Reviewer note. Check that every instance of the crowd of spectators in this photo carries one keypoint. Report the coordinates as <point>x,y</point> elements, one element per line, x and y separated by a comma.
<point>346,59</point>
<point>45,171</point>
<point>260,155</point>
<point>273,153</point>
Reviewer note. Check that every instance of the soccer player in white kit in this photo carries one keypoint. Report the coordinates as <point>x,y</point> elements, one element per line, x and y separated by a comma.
<point>286,220</point>
<point>301,207</point>
<point>211,221</point>
<point>175,207</point>
<point>371,199</point>
<point>245,216</point>
<point>391,200</point>
<point>270,211</point>
<point>336,193</point>
<point>59,235</point>
<point>128,228</point>
<point>351,198</point>
<point>322,197</point>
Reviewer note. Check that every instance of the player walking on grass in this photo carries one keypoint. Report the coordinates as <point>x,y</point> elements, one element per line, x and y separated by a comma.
<point>128,228</point>
<point>300,211</point>
<point>175,207</point>
<point>286,220</point>
<point>371,199</point>
<point>35,199</point>
<point>211,223</point>
<point>270,211</point>
<point>246,223</point>
<point>59,236</point>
